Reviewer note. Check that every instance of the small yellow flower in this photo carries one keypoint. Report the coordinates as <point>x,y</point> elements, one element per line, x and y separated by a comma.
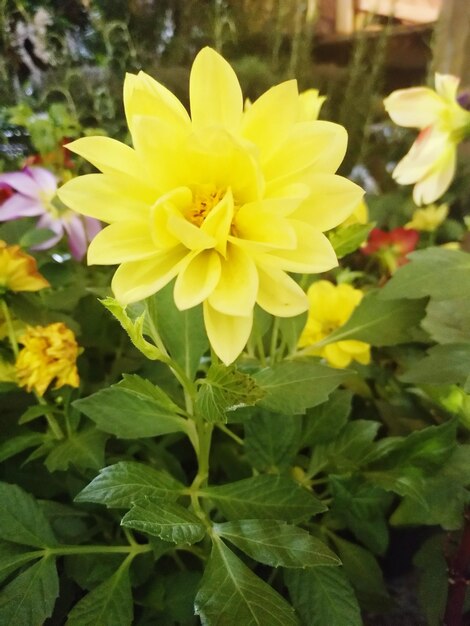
<point>330,307</point>
<point>310,103</point>
<point>18,270</point>
<point>428,218</point>
<point>226,201</point>
<point>360,215</point>
<point>49,353</point>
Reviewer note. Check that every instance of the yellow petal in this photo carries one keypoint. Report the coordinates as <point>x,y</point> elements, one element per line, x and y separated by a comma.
<point>217,223</point>
<point>417,107</point>
<point>279,294</point>
<point>214,92</point>
<point>172,203</point>
<point>188,234</point>
<point>432,186</point>
<point>237,288</point>
<point>310,103</point>
<point>314,253</point>
<point>227,334</point>
<point>107,198</point>
<point>256,224</point>
<point>136,280</point>
<point>268,120</point>
<point>312,147</point>
<point>446,86</point>
<point>145,96</point>
<point>108,155</point>
<point>197,279</point>
<point>121,242</point>
<point>332,200</point>
<point>335,356</point>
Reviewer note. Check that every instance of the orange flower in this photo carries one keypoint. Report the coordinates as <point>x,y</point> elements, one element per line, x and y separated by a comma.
<point>18,270</point>
<point>49,353</point>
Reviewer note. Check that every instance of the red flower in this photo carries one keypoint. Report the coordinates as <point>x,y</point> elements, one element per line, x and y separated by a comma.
<point>5,192</point>
<point>391,247</point>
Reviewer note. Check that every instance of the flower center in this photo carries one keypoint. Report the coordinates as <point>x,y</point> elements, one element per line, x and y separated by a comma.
<point>205,198</point>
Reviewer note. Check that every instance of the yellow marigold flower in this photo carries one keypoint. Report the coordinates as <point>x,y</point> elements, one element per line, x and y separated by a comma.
<point>18,270</point>
<point>429,218</point>
<point>330,307</point>
<point>360,215</point>
<point>50,353</point>
<point>310,104</point>
<point>227,201</point>
<point>443,122</point>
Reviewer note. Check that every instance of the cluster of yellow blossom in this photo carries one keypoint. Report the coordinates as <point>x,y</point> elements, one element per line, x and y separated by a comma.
<point>429,218</point>
<point>330,307</point>
<point>49,354</point>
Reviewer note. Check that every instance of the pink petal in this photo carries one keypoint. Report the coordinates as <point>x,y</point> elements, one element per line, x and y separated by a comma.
<point>46,221</point>
<point>20,206</point>
<point>76,237</point>
<point>92,227</point>
<point>44,178</point>
<point>21,182</point>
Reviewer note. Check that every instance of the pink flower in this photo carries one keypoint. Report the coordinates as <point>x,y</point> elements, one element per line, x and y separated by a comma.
<point>391,247</point>
<point>35,196</point>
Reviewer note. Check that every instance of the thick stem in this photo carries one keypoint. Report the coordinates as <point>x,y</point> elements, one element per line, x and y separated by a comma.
<point>459,570</point>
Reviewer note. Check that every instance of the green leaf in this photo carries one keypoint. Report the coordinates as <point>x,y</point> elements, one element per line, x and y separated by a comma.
<point>22,520</point>
<point>277,543</point>
<point>436,272</point>
<point>35,236</point>
<point>225,389</point>
<point>120,485</point>
<point>133,328</point>
<point>129,412</point>
<point>364,573</point>
<point>323,422</point>
<point>272,440</point>
<point>290,329</point>
<point>29,599</point>
<point>13,556</point>
<point>83,449</point>
<point>265,497</point>
<point>109,604</point>
<point>294,386</point>
<point>447,363</point>
<point>37,410</point>
<point>323,597</point>
<point>183,332</point>
<point>15,445</point>
<point>347,239</point>
<point>380,322</point>
<point>362,508</point>
<point>448,321</point>
<point>231,594</point>
<point>433,579</point>
<point>167,520</point>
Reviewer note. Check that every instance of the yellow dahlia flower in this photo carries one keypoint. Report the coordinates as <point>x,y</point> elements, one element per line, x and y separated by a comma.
<point>49,353</point>
<point>18,270</point>
<point>227,201</point>
<point>430,163</point>
<point>330,307</point>
<point>429,218</point>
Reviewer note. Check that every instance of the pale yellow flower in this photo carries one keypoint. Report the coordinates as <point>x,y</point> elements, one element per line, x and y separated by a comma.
<point>360,215</point>
<point>310,103</point>
<point>49,353</point>
<point>430,163</point>
<point>330,306</point>
<point>429,218</point>
<point>18,270</point>
<point>226,201</point>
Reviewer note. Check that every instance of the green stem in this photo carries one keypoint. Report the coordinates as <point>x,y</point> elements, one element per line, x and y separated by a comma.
<point>66,550</point>
<point>10,329</point>
<point>51,420</point>
<point>230,434</point>
<point>274,337</point>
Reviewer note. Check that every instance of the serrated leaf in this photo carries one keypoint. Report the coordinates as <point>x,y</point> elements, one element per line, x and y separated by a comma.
<point>13,556</point>
<point>109,604</point>
<point>134,328</point>
<point>231,594</point>
<point>323,422</point>
<point>83,449</point>
<point>347,239</point>
<point>272,440</point>
<point>379,322</point>
<point>225,389</point>
<point>323,597</point>
<point>120,485</point>
<point>277,543</point>
<point>167,520</point>
<point>436,272</point>
<point>15,445</point>
<point>22,520</point>
<point>264,497</point>
<point>29,599</point>
<point>294,386</point>
<point>183,332</point>
<point>131,413</point>
<point>444,364</point>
